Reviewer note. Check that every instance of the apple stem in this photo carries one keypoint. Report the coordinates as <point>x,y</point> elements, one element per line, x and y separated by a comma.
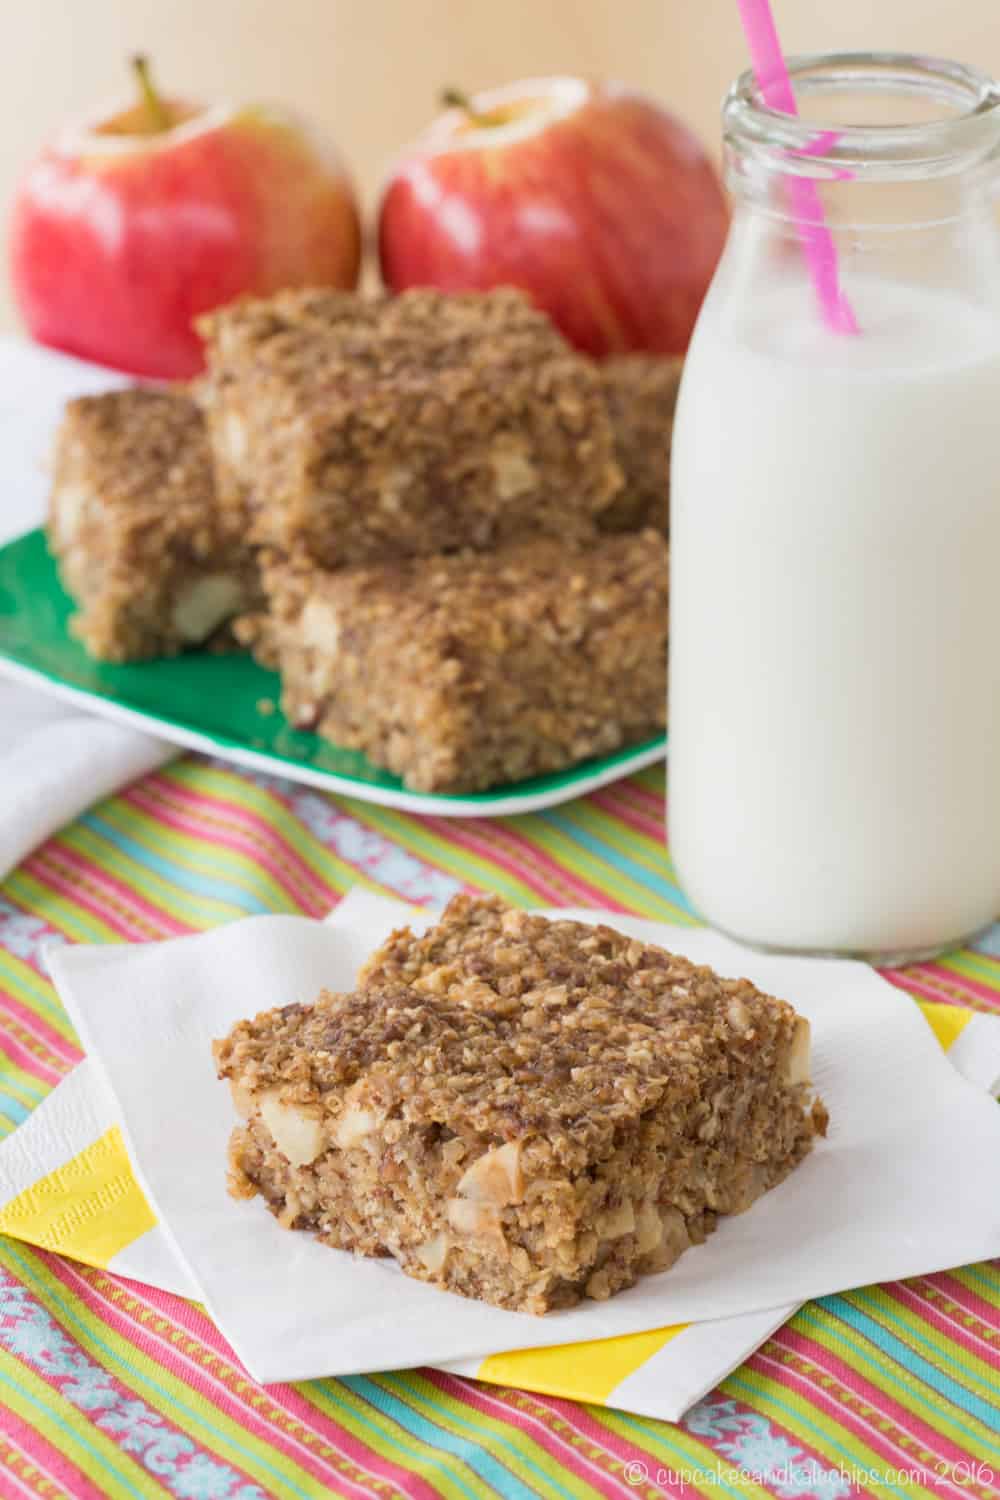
<point>155,111</point>
<point>456,99</point>
<point>459,99</point>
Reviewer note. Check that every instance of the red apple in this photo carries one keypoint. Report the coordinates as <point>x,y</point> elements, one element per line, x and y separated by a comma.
<point>595,200</point>
<point>124,231</point>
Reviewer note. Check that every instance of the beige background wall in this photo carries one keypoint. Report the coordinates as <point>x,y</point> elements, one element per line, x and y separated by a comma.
<point>371,69</point>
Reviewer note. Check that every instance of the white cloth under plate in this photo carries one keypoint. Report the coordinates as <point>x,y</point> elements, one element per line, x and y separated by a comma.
<point>906,1183</point>
<point>54,762</point>
<point>57,770</point>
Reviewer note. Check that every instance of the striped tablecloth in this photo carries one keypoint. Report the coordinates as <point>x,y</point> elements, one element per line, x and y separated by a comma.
<point>109,1388</point>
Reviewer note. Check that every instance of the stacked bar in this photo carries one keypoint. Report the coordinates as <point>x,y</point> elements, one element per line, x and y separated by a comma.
<point>467,670</point>
<point>135,530</point>
<point>428,477</point>
<point>359,431</point>
<point>641,395</point>
<point>442,525</point>
<point>523,1111</point>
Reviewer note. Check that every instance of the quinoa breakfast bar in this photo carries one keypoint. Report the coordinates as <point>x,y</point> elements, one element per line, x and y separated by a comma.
<point>135,530</point>
<point>521,1110</point>
<point>641,392</point>
<point>464,671</point>
<point>363,429</point>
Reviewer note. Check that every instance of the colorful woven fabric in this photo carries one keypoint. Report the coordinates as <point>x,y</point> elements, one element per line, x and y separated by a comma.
<point>109,1388</point>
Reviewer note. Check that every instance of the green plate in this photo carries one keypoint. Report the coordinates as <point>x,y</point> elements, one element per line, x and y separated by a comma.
<point>209,702</point>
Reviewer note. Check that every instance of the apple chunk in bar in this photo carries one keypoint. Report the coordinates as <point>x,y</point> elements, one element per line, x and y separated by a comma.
<point>360,429</point>
<point>135,530</point>
<point>465,671</point>
<point>523,1111</point>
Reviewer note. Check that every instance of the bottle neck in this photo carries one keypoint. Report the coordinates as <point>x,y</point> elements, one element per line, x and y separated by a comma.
<point>892,143</point>
<point>867,201</point>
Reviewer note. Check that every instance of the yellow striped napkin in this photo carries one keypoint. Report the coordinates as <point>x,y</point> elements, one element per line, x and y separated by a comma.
<point>66,1185</point>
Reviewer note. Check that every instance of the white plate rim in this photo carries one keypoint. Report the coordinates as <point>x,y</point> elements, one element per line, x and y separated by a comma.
<point>502,804</point>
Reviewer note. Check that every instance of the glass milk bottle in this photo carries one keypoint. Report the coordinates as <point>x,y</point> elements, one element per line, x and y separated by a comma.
<point>835,526</point>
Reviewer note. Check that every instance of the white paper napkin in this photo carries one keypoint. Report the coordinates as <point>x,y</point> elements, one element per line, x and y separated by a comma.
<point>660,1381</point>
<point>906,1183</point>
<point>60,1169</point>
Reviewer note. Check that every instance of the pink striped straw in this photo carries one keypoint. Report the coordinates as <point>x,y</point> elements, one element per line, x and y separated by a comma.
<point>776,90</point>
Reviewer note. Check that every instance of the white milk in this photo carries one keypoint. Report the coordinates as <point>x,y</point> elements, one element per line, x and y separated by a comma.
<point>835,622</point>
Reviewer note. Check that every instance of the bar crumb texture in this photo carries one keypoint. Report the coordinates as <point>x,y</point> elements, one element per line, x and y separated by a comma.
<point>464,671</point>
<point>641,392</point>
<point>362,429</point>
<point>134,527</point>
<point>524,1111</point>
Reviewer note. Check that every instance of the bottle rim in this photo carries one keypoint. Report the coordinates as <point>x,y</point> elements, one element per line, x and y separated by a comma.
<point>810,147</point>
